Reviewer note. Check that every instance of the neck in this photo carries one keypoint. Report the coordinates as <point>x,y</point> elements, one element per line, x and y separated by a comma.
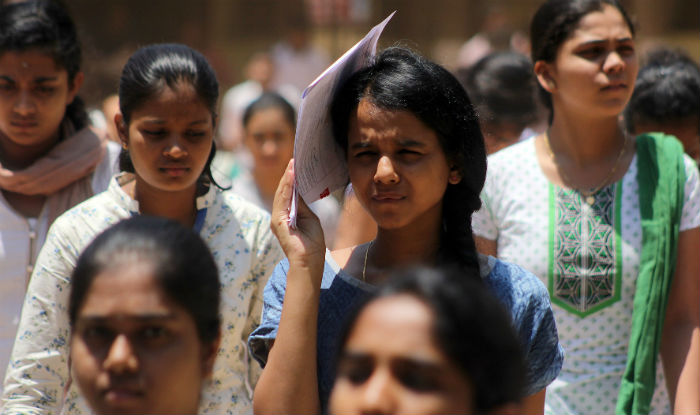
<point>583,141</point>
<point>178,206</point>
<point>15,157</point>
<point>413,244</point>
<point>266,184</point>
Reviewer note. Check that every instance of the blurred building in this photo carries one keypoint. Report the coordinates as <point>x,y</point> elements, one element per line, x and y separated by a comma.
<point>228,32</point>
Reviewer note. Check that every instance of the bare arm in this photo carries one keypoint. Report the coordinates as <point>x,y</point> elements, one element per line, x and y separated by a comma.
<point>289,383</point>
<point>486,246</point>
<point>680,344</point>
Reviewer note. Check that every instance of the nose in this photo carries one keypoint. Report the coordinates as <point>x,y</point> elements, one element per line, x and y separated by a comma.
<point>24,105</point>
<point>175,148</point>
<point>269,148</point>
<point>386,171</point>
<point>614,63</point>
<point>121,357</point>
<point>379,394</point>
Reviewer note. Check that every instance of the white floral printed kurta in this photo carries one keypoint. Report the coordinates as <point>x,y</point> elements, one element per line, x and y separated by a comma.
<point>238,234</point>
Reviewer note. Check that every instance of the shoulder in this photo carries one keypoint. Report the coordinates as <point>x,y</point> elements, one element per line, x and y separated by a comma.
<point>513,152</point>
<point>240,208</point>
<point>516,287</point>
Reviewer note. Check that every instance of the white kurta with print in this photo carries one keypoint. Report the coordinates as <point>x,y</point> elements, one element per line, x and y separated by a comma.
<point>587,256</point>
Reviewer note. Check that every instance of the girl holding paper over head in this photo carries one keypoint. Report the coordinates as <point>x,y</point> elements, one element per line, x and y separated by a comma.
<point>417,163</point>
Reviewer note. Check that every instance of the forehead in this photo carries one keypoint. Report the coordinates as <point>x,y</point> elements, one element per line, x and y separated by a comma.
<point>127,289</point>
<point>399,325</point>
<point>178,103</point>
<point>607,23</point>
<point>372,121</point>
<point>30,63</point>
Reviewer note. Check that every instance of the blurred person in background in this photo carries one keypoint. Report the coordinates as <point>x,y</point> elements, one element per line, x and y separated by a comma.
<point>503,88</point>
<point>259,72</point>
<point>144,317</point>
<point>666,99</point>
<point>269,125</point>
<point>49,159</point>
<point>297,61</point>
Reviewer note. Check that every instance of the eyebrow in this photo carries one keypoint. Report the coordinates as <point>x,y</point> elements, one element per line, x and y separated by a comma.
<point>161,122</point>
<point>425,364</point>
<point>138,318</point>
<point>602,42</point>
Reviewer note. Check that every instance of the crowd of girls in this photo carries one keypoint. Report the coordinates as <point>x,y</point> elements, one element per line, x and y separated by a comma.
<point>563,281</point>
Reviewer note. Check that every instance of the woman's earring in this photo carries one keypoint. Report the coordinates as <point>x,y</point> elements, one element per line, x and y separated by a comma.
<point>454,177</point>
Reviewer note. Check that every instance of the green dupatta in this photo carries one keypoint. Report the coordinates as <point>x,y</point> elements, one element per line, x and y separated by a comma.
<point>661,177</point>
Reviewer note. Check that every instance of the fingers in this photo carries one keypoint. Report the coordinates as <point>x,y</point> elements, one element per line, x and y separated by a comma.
<point>284,193</point>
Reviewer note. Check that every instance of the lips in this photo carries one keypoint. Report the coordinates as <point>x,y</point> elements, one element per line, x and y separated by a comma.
<point>123,394</point>
<point>614,86</point>
<point>24,124</point>
<point>175,171</point>
<point>388,197</point>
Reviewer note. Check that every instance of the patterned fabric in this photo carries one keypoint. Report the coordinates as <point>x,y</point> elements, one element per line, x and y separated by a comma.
<point>583,273</point>
<point>525,214</point>
<point>20,241</point>
<point>520,292</point>
<point>244,249</point>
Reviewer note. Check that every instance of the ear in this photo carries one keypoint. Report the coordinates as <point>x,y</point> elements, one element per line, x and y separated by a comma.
<point>73,89</point>
<point>121,130</point>
<point>454,177</point>
<point>543,72</point>
<point>209,353</point>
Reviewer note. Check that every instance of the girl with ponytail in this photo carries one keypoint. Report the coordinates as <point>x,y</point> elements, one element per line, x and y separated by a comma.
<point>417,163</point>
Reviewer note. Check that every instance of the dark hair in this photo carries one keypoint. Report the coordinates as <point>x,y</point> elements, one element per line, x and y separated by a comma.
<point>555,21</point>
<point>45,26</point>
<point>152,68</point>
<point>182,265</point>
<point>471,328</point>
<point>667,89</point>
<point>400,79</point>
<point>271,100</point>
<point>503,88</point>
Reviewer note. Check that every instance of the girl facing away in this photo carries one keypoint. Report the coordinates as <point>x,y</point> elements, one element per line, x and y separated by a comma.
<point>144,317</point>
<point>49,159</point>
<point>609,222</point>
<point>168,96</point>
<point>417,163</point>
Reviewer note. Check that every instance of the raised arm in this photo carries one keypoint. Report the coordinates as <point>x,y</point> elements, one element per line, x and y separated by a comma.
<point>289,382</point>
<point>680,344</point>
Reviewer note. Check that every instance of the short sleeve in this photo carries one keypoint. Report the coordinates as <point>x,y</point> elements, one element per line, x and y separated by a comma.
<point>261,339</point>
<point>690,217</point>
<point>528,301</point>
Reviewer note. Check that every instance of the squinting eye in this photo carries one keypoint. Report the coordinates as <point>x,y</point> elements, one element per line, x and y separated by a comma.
<point>418,381</point>
<point>154,133</point>
<point>45,89</point>
<point>152,333</point>
<point>97,333</point>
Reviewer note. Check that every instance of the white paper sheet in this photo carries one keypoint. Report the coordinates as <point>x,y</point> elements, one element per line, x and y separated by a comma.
<point>319,164</point>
